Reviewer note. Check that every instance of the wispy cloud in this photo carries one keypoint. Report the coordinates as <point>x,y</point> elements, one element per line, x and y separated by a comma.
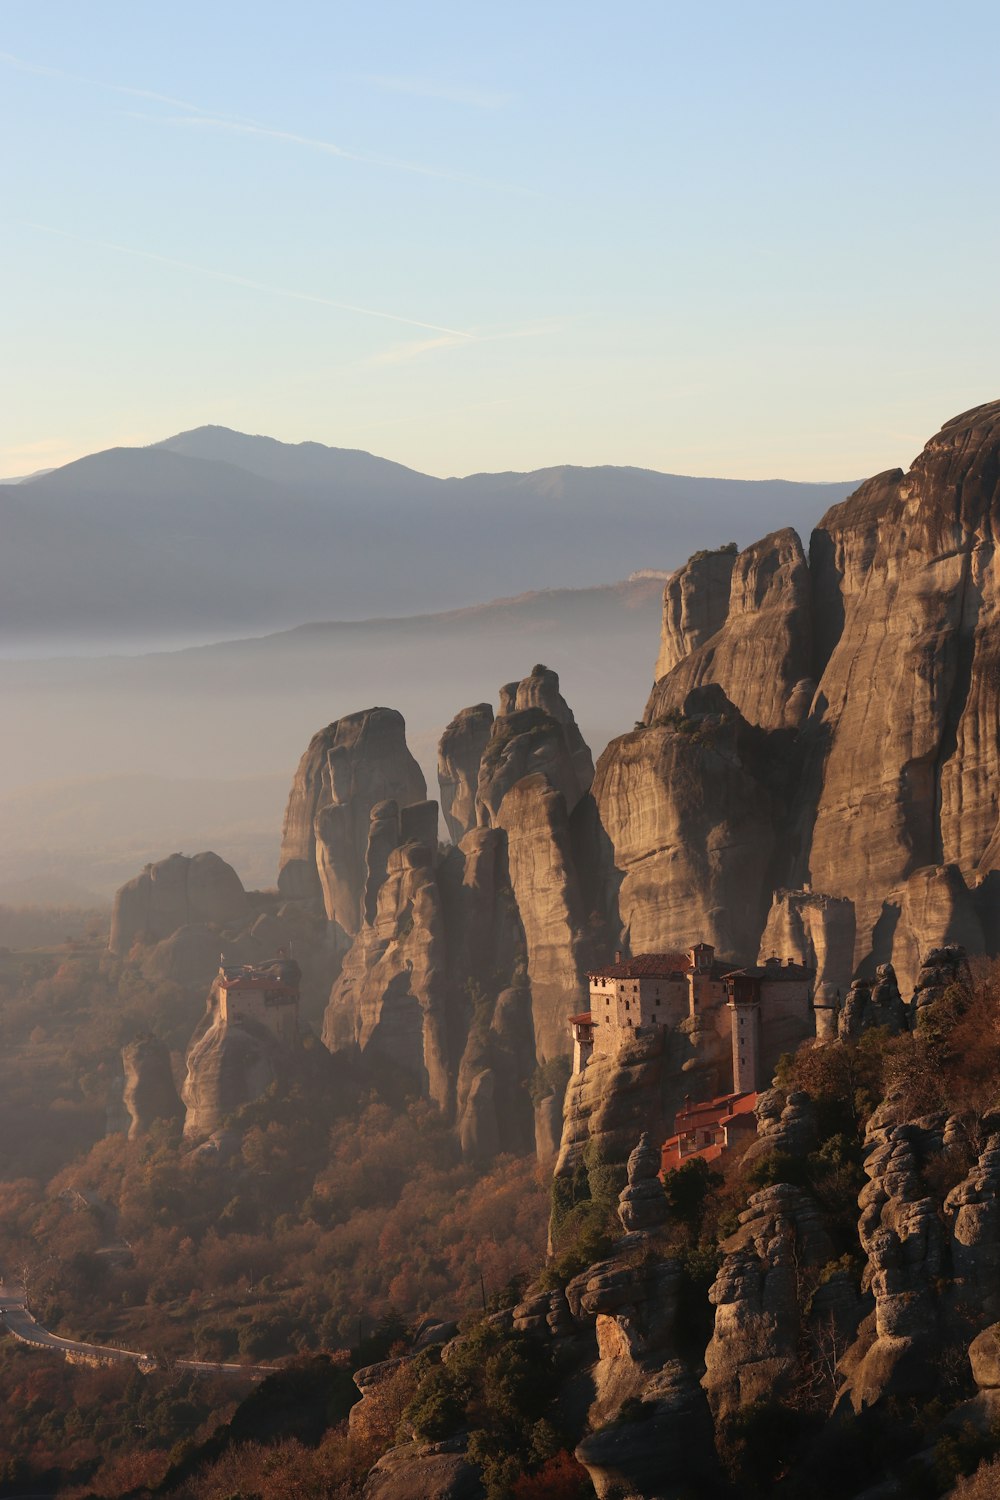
<point>332,148</point>
<point>426,88</point>
<point>401,353</point>
<point>455,334</point>
<point>196,115</point>
<point>21,65</point>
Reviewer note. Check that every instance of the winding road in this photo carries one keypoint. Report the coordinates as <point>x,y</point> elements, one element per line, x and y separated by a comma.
<point>18,1321</point>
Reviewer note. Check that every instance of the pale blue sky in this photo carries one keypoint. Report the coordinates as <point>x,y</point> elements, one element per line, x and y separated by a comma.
<point>737,239</point>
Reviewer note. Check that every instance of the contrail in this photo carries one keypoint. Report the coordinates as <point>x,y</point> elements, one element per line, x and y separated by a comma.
<point>245,281</point>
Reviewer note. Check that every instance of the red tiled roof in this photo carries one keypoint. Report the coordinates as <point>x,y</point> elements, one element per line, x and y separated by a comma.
<point>585,1018</point>
<point>658,966</point>
<point>644,965</point>
<point>713,1111</point>
<point>780,971</point>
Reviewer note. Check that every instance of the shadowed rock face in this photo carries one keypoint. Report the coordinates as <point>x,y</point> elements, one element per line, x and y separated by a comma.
<point>459,753</point>
<point>693,828</point>
<point>173,893</point>
<point>818,931</point>
<point>149,1093</point>
<point>763,650</point>
<point>695,606</point>
<point>349,767</point>
<point>534,733</point>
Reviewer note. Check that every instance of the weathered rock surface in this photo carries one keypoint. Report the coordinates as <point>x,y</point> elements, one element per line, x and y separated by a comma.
<point>785,1124</point>
<point>430,1471</point>
<point>494,1109</point>
<point>907,710</point>
<point>547,891</point>
<point>460,751</point>
<point>150,1092</point>
<point>941,969</point>
<point>695,606</point>
<point>936,909</point>
<point>763,651</point>
<point>534,733</point>
<point>349,767</point>
<point>173,893</point>
<point>973,1209</point>
<point>877,1004</point>
<point>901,1233</point>
<point>642,1203</point>
<point>756,1348</point>
<point>818,931</point>
<point>392,1000</point>
<point>693,827</point>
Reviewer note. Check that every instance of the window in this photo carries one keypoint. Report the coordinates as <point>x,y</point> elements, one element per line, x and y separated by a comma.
<point>628,1005</point>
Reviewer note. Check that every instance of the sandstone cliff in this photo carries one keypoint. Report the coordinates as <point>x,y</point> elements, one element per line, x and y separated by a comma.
<point>349,767</point>
<point>174,893</point>
<point>870,671</point>
<point>460,752</point>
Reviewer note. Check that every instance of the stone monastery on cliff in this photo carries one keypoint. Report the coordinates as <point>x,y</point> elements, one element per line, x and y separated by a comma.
<point>761,1010</point>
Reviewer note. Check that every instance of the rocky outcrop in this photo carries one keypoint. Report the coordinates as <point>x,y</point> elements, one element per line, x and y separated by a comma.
<point>973,1211</point>
<point>760,1325</point>
<point>547,891</point>
<point>177,892</point>
<point>494,1110</point>
<point>873,669</point>
<point>434,1471</point>
<point>460,751</point>
<point>695,605</point>
<point>762,655</point>
<point>692,820</point>
<point>784,1124</point>
<point>642,1203</point>
<point>667,1454</point>
<point>941,970</point>
<point>936,909</point>
<point>818,931</point>
<point>901,1234</point>
<point>349,767</point>
<point>534,733</point>
<point>149,1093</point>
<point>909,700</point>
<point>392,1001</point>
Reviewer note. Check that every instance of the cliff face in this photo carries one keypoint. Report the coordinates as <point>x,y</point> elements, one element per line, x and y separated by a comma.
<point>693,824</point>
<point>872,670</point>
<point>459,754</point>
<point>174,893</point>
<point>762,650</point>
<point>695,606</point>
<point>349,767</point>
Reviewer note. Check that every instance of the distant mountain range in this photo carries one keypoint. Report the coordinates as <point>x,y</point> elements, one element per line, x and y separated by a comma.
<point>214,533</point>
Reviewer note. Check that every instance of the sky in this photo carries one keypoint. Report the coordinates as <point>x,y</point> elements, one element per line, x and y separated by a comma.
<point>745,239</point>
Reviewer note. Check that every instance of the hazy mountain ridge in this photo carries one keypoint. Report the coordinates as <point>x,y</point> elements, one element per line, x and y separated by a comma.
<point>214,532</point>
<point>153,734</point>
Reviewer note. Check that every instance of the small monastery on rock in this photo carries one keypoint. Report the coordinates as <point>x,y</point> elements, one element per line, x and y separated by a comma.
<point>762,1010</point>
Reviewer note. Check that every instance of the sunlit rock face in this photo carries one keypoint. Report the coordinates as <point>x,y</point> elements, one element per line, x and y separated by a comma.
<point>173,893</point>
<point>906,715</point>
<point>350,766</point>
<point>695,606</point>
<point>693,825</point>
<point>762,651</point>
<point>870,669</point>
